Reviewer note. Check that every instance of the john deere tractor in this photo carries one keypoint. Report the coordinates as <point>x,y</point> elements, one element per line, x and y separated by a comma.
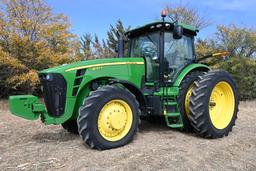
<point>103,100</point>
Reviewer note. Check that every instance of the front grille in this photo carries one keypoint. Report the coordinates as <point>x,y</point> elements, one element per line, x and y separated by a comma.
<point>54,92</point>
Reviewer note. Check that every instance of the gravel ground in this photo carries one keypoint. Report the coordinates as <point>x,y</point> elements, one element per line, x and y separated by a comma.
<point>27,145</point>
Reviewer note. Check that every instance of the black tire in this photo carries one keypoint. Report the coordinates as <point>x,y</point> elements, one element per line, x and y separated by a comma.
<point>200,101</point>
<point>70,126</point>
<point>185,85</point>
<point>89,113</point>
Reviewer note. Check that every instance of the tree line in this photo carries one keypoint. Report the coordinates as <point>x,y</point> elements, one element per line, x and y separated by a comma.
<point>33,38</point>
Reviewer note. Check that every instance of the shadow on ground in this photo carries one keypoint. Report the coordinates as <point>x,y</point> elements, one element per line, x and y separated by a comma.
<point>58,136</point>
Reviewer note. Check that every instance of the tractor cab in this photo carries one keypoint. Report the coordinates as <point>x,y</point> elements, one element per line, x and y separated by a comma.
<point>166,47</point>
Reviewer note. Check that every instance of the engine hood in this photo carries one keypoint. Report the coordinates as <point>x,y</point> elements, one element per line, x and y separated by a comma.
<point>93,64</point>
<point>79,74</point>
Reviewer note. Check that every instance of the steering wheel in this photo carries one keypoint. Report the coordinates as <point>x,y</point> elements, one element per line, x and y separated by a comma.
<point>149,51</point>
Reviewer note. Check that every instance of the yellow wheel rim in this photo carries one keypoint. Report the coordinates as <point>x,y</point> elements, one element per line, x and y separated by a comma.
<point>187,99</point>
<point>115,120</point>
<point>221,105</point>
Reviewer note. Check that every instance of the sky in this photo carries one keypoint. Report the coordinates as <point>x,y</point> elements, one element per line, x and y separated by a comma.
<point>95,16</point>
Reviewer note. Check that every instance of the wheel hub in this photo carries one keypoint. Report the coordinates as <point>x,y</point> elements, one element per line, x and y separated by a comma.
<point>115,120</point>
<point>221,105</point>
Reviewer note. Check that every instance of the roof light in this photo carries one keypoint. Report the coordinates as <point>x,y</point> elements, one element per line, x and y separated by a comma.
<point>158,25</point>
<point>164,13</point>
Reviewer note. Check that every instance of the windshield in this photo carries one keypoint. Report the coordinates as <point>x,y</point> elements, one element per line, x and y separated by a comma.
<point>147,46</point>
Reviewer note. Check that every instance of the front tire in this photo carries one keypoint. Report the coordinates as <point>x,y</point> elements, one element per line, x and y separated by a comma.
<point>109,118</point>
<point>214,105</point>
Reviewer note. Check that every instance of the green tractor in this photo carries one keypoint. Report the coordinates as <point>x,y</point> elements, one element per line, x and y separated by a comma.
<point>103,100</point>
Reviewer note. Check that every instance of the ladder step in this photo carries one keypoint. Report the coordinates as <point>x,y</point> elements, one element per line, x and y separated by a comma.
<point>176,125</point>
<point>170,103</point>
<point>173,114</point>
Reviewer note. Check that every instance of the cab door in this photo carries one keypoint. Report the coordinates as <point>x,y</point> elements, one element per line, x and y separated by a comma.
<point>147,46</point>
<point>178,53</point>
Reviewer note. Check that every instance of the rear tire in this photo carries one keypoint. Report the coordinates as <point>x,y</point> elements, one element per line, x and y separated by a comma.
<point>183,99</point>
<point>214,105</point>
<point>70,126</point>
<point>106,102</point>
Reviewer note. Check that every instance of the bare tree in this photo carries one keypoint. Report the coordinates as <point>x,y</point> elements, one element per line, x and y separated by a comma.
<point>188,15</point>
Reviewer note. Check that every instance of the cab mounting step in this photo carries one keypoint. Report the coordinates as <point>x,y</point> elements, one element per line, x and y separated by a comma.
<point>173,118</point>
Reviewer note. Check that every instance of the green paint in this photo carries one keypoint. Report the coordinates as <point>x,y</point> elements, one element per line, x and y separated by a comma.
<point>187,70</point>
<point>171,91</point>
<point>149,84</point>
<point>22,106</point>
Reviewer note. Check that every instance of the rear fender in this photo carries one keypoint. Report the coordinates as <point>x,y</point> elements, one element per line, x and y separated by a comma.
<point>190,68</point>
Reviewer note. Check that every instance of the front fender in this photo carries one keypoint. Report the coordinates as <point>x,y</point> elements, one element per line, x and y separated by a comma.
<point>130,70</point>
<point>134,90</point>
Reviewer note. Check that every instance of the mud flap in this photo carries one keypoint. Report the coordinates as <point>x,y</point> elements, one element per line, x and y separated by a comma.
<point>26,106</point>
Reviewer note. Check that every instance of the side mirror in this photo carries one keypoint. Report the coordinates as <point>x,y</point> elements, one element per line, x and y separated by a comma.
<point>177,32</point>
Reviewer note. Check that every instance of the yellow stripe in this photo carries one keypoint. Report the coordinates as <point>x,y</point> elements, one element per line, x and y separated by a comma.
<point>105,64</point>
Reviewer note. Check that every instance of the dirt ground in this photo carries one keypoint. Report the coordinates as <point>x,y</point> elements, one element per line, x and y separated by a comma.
<point>27,145</point>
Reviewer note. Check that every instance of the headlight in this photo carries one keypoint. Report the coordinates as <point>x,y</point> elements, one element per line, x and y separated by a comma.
<point>48,77</point>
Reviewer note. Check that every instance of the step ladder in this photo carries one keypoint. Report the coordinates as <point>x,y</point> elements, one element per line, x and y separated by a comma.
<point>173,118</point>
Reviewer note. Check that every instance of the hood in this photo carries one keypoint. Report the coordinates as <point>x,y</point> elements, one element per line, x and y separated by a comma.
<point>92,64</point>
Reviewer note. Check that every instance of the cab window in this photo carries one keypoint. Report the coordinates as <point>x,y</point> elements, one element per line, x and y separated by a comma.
<point>147,46</point>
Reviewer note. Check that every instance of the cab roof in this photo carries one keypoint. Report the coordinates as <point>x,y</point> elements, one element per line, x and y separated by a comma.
<point>188,29</point>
